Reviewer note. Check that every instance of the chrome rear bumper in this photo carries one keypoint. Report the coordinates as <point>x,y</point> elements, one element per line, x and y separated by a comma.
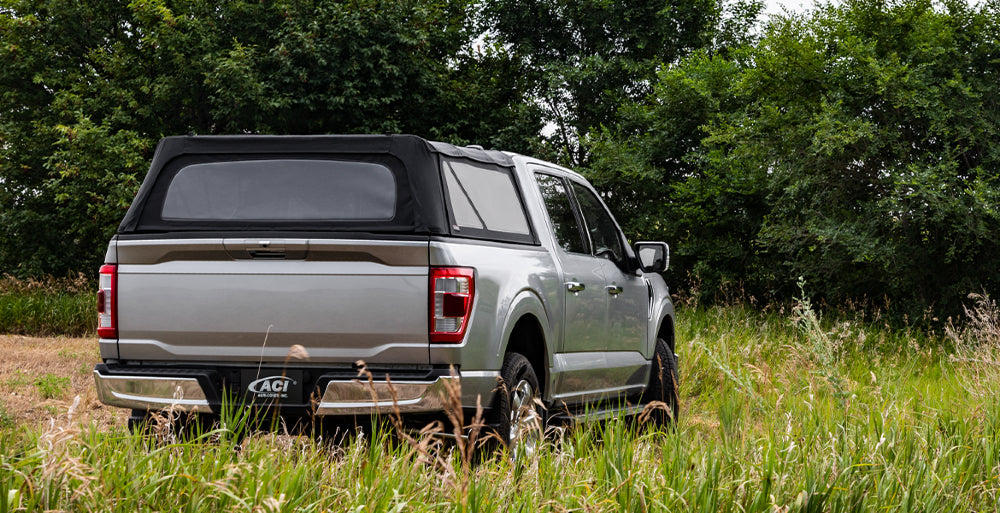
<point>151,392</point>
<point>340,397</point>
<point>359,397</point>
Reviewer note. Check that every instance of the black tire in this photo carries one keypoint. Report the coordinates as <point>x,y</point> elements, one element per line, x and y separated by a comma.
<point>518,416</point>
<point>138,422</point>
<point>662,387</point>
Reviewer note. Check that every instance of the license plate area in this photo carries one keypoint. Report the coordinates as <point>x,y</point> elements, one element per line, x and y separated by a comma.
<point>271,386</point>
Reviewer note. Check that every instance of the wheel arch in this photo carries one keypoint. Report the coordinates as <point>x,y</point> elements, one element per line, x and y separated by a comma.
<point>661,315</point>
<point>526,332</point>
<point>666,331</point>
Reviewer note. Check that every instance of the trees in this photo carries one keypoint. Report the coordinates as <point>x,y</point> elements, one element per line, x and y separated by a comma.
<point>854,146</point>
<point>878,132</point>
<point>87,88</point>
<point>585,59</point>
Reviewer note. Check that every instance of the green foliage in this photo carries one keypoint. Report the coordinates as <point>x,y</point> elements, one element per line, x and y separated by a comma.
<point>47,307</point>
<point>584,59</point>
<point>88,87</point>
<point>51,386</point>
<point>6,418</point>
<point>853,145</point>
<point>878,125</point>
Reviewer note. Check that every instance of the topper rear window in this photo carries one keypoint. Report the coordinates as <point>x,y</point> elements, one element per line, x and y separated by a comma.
<point>281,190</point>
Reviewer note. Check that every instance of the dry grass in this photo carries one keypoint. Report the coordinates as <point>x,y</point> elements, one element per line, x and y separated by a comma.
<point>48,284</point>
<point>777,415</point>
<point>27,360</point>
<point>977,345</point>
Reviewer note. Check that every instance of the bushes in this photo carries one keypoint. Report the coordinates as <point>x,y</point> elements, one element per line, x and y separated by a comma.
<point>853,146</point>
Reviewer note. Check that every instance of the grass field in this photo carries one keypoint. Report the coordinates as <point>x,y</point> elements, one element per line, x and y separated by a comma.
<point>781,411</point>
<point>48,307</point>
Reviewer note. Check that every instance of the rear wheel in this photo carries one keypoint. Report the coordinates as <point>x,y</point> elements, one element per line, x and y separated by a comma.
<point>519,416</point>
<point>660,397</point>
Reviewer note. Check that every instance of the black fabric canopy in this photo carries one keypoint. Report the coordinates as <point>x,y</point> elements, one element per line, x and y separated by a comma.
<point>414,162</point>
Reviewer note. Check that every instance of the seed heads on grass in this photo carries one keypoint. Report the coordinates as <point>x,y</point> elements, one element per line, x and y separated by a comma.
<point>881,454</point>
<point>977,344</point>
<point>62,468</point>
<point>819,346</point>
<point>427,444</point>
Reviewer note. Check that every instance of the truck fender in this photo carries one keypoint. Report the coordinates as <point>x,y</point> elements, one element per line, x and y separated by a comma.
<point>661,312</point>
<point>527,303</point>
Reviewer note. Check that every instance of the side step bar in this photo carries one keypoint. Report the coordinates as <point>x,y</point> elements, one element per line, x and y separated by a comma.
<point>594,415</point>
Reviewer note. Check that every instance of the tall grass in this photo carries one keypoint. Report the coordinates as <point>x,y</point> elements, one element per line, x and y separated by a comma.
<point>48,306</point>
<point>781,412</point>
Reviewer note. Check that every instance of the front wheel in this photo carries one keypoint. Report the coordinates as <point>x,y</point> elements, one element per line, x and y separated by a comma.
<point>660,397</point>
<point>519,416</point>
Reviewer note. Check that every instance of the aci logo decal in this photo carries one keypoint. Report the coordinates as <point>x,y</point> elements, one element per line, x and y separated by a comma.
<point>271,386</point>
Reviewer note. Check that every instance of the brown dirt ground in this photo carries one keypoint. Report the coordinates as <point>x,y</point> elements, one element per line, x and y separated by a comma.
<point>24,360</point>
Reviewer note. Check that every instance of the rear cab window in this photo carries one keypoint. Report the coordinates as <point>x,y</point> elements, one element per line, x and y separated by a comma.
<point>275,192</point>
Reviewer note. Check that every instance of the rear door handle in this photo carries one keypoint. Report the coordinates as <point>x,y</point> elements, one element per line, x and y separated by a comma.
<point>614,290</point>
<point>575,286</point>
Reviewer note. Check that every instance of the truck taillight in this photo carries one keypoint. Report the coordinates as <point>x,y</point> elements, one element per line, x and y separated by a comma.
<point>107,302</point>
<point>452,291</point>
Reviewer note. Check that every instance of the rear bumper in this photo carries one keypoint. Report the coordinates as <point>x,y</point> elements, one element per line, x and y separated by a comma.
<point>357,397</point>
<point>143,391</point>
<point>151,392</point>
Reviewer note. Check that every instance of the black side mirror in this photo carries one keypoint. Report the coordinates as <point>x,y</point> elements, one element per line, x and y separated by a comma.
<point>654,257</point>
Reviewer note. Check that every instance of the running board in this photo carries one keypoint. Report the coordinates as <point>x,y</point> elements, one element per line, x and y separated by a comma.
<point>595,415</point>
<point>560,417</point>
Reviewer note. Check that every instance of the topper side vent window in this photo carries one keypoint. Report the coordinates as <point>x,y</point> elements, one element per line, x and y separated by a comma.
<point>484,199</point>
<point>282,190</point>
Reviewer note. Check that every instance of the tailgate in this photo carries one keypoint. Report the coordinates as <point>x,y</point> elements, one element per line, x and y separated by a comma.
<point>250,300</point>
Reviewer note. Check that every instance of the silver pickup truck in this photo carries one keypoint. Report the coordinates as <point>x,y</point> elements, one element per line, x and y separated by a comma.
<point>266,269</point>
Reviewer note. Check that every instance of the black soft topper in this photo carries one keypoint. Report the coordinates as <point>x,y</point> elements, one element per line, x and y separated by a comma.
<point>414,164</point>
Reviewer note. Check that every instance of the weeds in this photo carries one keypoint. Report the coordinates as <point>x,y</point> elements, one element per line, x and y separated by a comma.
<point>6,417</point>
<point>977,345</point>
<point>49,306</point>
<point>819,347</point>
<point>427,444</point>
<point>51,386</point>
<point>18,380</point>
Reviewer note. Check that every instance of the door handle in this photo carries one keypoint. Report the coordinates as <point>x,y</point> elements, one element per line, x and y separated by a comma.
<point>575,286</point>
<point>614,290</point>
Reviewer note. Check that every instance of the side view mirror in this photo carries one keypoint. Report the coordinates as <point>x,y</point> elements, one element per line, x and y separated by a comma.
<point>654,257</point>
